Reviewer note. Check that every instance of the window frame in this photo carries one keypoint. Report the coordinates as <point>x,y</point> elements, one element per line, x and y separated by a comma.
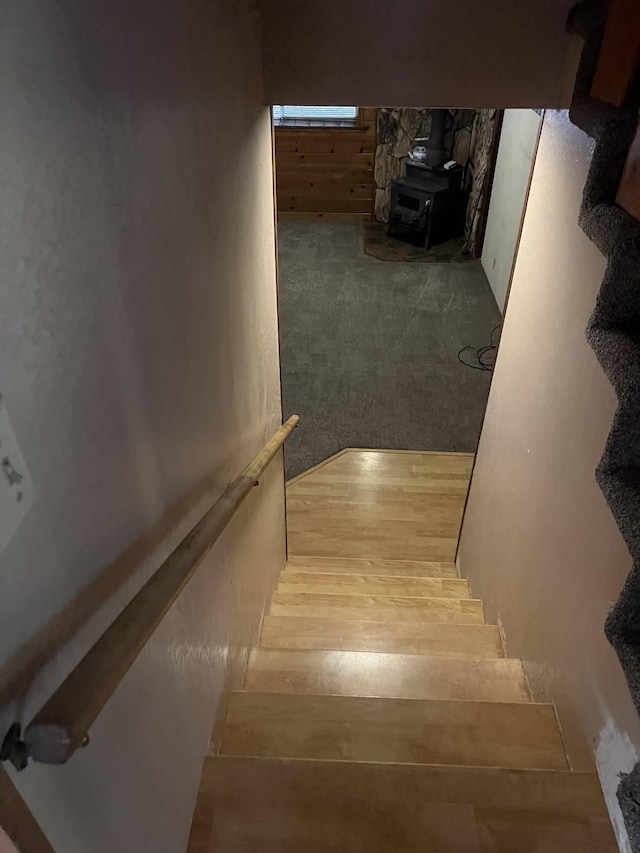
<point>308,123</point>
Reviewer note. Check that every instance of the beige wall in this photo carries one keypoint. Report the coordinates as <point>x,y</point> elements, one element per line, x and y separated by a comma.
<point>516,149</point>
<point>507,53</point>
<point>139,364</point>
<point>538,542</point>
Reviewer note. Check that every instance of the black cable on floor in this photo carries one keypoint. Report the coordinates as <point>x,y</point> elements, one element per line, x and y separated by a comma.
<point>481,353</point>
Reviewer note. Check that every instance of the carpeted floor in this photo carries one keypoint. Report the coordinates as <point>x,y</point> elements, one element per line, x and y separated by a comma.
<point>369,348</point>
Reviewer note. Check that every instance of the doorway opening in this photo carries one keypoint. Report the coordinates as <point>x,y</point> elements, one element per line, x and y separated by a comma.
<point>397,230</point>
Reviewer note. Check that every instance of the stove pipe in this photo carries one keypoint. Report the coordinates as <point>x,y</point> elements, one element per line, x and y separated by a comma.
<point>436,154</point>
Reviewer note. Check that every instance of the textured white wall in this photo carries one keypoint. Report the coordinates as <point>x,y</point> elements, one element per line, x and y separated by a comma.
<point>538,542</point>
<point>138,356</point>
<point>516,150</point>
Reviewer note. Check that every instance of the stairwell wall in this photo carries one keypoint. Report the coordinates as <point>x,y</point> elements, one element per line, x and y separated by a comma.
<point>507,53</point>
<point>139,366</point>
<point>538,542</point>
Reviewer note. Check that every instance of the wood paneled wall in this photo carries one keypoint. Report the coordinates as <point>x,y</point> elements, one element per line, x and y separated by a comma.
<point>327,172</point>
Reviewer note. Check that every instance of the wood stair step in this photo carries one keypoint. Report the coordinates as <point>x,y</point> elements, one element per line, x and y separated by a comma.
<point>392,675</point>
<point>413,638</point>
<point>361,566</point>
<point>252,805</point>
<point>373,585</point>
<point>378,541</point>
<point>377,607</point>
<point>359,728</point>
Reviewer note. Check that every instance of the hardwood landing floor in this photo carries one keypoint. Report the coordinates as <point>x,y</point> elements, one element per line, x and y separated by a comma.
<point>378,712</point>
<point>379,504</point>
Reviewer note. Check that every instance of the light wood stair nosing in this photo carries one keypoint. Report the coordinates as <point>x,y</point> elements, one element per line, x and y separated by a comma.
<point>362,584</point>
<point>268,650</point>
<point>321,559</point>
<point>371,566</point>
<point>361,606</point>
<point>408,598</point>
<point>297,633</point>
<point>318,588</point>
<point>417,700</point>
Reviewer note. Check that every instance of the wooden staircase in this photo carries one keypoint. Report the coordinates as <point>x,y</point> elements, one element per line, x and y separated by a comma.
<point>378,711</point>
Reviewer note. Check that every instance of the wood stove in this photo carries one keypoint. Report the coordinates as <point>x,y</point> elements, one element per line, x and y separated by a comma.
<point>428,205</point>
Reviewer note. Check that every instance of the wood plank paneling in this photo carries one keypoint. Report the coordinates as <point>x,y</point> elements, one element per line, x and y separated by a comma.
<point>326,173</point>
<point>324,205</point>
<point>368,114</point>
<point>353,160</point>
<point>326,142</point>
<point>311,189</point>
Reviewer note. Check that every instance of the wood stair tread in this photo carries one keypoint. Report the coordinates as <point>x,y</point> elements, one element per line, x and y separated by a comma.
<point>357,728</point>
<point>377,607</point>
<point>250,805</point>
<point>304,632</point>
<point>378,712</point>
<point>319,582</point>
<point>392,675</point>
<point>362,566</point>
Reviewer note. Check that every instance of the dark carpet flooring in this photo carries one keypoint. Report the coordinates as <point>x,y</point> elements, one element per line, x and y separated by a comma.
<point>369,348</point>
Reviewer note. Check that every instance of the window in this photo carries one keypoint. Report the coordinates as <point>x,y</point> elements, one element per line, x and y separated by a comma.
<point>312,115</point>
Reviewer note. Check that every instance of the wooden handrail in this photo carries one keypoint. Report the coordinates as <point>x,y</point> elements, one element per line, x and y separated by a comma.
<point>62,725</point>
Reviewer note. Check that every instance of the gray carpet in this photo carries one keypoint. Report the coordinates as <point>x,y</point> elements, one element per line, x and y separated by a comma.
<point>369,348</point>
